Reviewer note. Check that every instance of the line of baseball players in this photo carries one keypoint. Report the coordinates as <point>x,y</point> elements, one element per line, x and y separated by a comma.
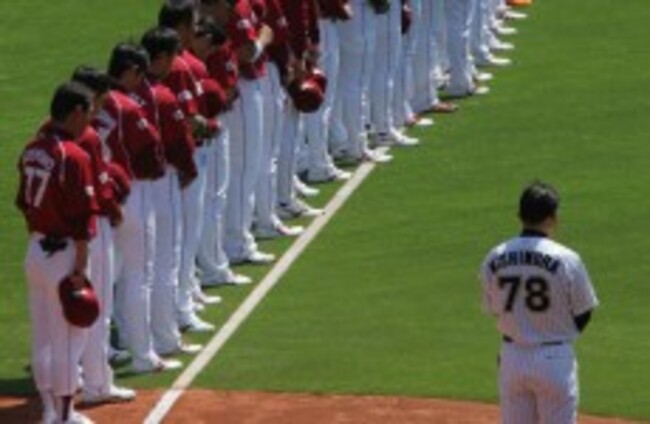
<point>155,177</point>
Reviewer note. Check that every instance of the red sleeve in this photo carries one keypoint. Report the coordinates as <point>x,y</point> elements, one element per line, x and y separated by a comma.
<point>145,146</point>
<point>20,196</point>
<point>180,82</point>
<point>177,138</point>
<point>240,29</point>
<point>79,195</point>
<point>120,181</point>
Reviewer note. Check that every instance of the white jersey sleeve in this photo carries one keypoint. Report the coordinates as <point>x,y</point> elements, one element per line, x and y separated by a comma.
<point>582,296</point>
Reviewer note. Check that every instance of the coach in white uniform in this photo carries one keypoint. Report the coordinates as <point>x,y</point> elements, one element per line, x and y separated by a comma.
<point>542,297</point>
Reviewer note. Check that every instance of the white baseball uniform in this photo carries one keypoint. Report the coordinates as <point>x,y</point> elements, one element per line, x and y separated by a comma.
<point>457,14</point>
<point>357,53</point>
<point>535,287</point>
<point>426,91</point>
<point>386,62</point>
<point>405,75</point>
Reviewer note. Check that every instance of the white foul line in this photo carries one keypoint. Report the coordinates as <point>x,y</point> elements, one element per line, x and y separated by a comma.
<point>171,396</point>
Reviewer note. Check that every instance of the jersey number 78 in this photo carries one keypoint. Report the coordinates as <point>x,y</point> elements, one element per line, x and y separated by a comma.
<point>536,297</point>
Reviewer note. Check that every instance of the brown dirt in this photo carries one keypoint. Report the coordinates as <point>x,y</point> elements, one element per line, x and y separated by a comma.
<point>204,406</point>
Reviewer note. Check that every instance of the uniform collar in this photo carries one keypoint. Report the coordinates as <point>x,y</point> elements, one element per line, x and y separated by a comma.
<point>528,232</point>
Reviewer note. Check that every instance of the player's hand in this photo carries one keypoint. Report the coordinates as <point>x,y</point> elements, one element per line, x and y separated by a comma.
<point>78,279</point>
<point>117,217</point>
<point>266,35</point>
<point>347,8</point>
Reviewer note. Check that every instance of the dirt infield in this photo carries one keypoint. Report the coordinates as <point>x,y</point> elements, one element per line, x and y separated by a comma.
<point>204,406</point>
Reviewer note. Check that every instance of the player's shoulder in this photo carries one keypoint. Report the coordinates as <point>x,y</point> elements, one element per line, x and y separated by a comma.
<point>164,95</point>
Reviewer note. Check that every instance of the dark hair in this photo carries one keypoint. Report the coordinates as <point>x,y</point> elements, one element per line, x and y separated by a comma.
<point>126,56</point>
<point>175,13</point>
<point>67,97</point>
<point>93,79</point>
<point>159,40</point>
<point>538,201</point>
<point>207,28</point>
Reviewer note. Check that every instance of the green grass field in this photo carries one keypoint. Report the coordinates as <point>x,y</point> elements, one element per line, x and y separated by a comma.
<point>387,300</point>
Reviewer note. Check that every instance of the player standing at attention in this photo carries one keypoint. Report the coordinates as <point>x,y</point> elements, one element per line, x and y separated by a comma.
<point>542,297</point>
<point>56,197</point>
<point>98,377</point>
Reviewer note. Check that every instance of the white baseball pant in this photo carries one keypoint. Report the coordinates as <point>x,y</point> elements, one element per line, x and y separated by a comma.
<point>98,374</point>
<point>426,91</point>
<point>457,13</point>
<point>193,203</point>
<point>57,346</point>
<point>479,29</point>
<point>317,125</point>
<point>211,258</point>
<point>167,262</point>
<point>538,384</point>
<point>135,244</point>
<point>405,75</point>
<point>357,53</point>
<point>274,99</point>
<point>386,62</point>
<point>293,132</point>
<point>246,144</point>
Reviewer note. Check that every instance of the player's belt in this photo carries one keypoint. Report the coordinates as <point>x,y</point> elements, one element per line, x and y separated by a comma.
<point>508,339</point>
<point>52,244</point>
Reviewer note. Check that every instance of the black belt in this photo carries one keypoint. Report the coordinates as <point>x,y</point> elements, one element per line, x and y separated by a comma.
<point>508,339</point>
<point>52,244</point>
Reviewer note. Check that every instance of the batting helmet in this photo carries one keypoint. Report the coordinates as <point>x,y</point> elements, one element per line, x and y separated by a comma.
<point>319,78</point>
<point>80,306</point>
<point>307,95</point>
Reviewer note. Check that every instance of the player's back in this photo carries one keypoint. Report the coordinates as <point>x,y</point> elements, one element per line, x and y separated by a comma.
<point>536,287</point>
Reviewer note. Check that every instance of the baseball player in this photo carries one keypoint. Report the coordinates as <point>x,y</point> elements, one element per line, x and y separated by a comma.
<point>98,378</point>
<point>135,145</point>
<point>320,165</point>
<point>357,53</point>
<point>185,80</point>
<point>385,71</point>
<point>162,110</point>
<point>267,222</point>
<point>221,63</point>
<point>250,38</point>
<point>542,297</point>
<point>56,197</point>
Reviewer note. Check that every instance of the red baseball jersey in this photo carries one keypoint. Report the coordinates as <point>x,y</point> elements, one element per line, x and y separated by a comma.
<point>302,17</point>
<point>181,83</point>
<point>222,67</point>
<point>162,109</point>
<point>56,191</point>
<point>333,9</point>
<point>279,51</point>
<point>133,141</point>
<point>243,28</point>
<point>199,73</point>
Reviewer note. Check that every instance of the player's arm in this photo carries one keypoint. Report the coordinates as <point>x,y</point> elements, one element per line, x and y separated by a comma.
<point>248,43</point>
<point>582,320</point>
<point>582,296</point>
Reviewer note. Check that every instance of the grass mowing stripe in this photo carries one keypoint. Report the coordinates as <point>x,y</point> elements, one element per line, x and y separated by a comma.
<point>168,400</point>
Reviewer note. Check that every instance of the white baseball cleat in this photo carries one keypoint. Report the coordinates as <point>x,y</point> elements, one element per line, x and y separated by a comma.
<point>376,156</point>
<point>77,418</point>
<point>277,231</point>
<point>494,61</point>
<point>201,297</point>
<point>483,76</point>
<point>183,348</point>
<point>160,365</point>
<point>114,394</point>
<point>513,15</point>
<point>327,174</point>
<point>254,258</point>
<point>118,356</point>
<point>193,324</point>
<point>303,189</point>
<point>296,209</point>
<point>502,46</point>
<point>504,30</point>
<point>229,278</point>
